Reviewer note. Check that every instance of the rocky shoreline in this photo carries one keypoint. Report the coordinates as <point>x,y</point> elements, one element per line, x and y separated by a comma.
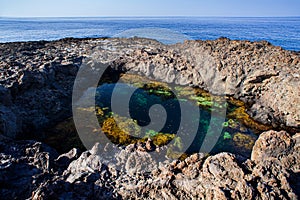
<point>36,85</point>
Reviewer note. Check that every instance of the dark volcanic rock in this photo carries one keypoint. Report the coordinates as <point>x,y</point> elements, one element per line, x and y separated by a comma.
<point>8,122</point>
<point>36,82</point>
<point>24,165</point>
<point>37,78</point>
<point>31,169</point>
<point>220,176</point>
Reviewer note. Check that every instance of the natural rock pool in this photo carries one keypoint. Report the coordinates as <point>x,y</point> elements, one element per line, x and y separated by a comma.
<point>125,123</point>
<point>136,108</point>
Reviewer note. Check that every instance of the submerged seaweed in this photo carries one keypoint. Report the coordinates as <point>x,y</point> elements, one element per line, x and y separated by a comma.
<point>124,131</point>
<point>239,129</point>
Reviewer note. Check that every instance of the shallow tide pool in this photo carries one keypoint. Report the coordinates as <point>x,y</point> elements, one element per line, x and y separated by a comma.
<point>185,118</point>
<point>131,109</point>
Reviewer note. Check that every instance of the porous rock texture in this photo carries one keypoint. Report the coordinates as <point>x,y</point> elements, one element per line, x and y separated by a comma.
<point>32,170</point>
<point>37,77</point>
<point>36,82</point>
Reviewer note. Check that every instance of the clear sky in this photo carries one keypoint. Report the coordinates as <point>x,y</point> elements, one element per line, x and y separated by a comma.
<point>81,8</point>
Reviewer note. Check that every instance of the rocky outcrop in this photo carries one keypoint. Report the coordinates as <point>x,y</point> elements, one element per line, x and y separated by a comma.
<point>278,145</point>
<point>31,169</point>
<point>24,165</point>
<point>36,82</point>
<point>254,72</point>
<point>37,85</point>
<point>37,77</point>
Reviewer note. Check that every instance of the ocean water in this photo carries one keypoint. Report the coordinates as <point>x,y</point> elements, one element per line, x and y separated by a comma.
<point>284,32</point>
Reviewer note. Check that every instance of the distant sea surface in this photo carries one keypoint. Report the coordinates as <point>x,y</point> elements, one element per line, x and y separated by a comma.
<point>284,32</point>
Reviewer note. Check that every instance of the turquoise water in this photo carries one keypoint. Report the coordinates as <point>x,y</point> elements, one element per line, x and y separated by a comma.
<point>230,139</point>
<point>284,32</point>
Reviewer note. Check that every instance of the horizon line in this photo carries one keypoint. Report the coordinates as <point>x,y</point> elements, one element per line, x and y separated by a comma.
<point>149,16</point>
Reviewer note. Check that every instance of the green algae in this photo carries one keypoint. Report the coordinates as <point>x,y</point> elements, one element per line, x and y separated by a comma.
<point>237,119</point>
<point>178,143</point>
<point>123,131</point>
<point>229,123</point>
<point>243,117</point>
<point>227,136</point>
<point>151,133</point>
<point>225,124</point>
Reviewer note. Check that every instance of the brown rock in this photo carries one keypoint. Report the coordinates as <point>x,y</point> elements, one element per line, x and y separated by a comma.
<point>222,171</point>
<point>279,145</point>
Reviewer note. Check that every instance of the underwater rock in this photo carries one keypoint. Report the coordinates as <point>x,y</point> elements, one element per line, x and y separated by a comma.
<point>243,141</point>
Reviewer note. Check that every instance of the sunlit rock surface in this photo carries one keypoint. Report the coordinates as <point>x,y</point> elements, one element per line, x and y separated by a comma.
<point>36,94</point>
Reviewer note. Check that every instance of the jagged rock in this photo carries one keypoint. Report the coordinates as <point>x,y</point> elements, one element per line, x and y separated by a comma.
<point>271,180</point>
<point>102,173</point>
<point>40,78</point>
<point>8,122</point>
<point>24,165</point>
<point>277,157</point>
<point>36,88</point>
<point>65,159</point>
<point>222,171</point>
<point>220,176</point>
<point>278,145</point>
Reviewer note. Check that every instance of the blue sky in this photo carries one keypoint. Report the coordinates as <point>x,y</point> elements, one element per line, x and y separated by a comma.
<point>71,8</point>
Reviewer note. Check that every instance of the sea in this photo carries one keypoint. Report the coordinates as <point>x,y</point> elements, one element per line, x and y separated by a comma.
<point>280,31</point>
